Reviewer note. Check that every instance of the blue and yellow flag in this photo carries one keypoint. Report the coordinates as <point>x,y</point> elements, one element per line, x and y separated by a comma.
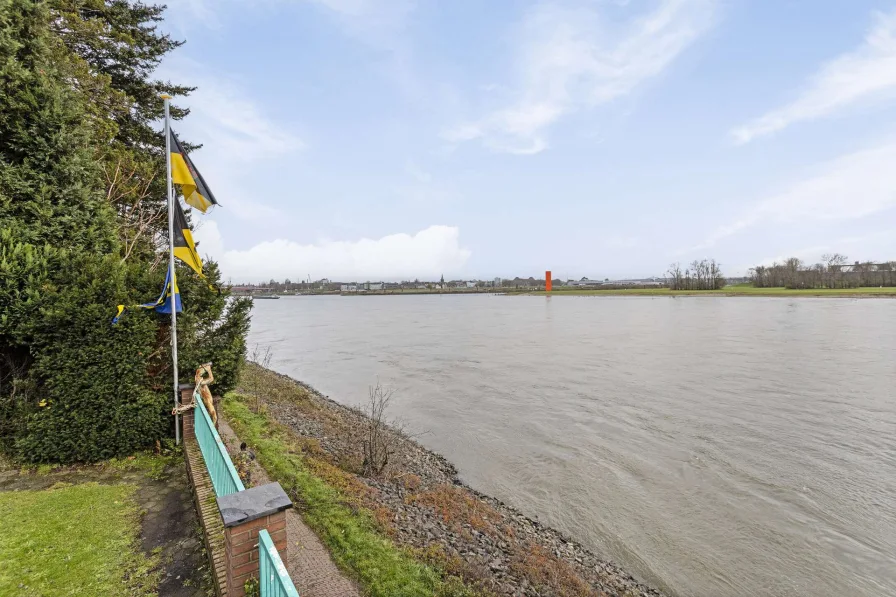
<point>184,173</point>
<point>161,304</point>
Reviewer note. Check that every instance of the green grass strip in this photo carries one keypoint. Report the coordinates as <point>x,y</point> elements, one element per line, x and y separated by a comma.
<point>73,540</point>
<point>382,568</point>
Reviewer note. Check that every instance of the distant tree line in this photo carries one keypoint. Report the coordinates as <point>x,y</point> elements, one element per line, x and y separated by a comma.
<point>698,275</point>
<point>832,272</point>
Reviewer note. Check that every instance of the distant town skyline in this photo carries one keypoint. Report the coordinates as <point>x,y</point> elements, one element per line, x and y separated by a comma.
<point>377,284</point>
<point>604,138</point>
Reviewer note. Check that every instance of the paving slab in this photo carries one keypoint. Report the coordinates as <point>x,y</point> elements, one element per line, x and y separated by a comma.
<point>309,563</point>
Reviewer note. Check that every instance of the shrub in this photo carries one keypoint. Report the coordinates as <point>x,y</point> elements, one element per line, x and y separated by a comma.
<point>72,386</point>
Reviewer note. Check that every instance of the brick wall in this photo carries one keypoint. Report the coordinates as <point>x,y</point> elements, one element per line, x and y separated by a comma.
<point>186,397</point>
<point>241,546</point>
<point>232,547</point>
<point>209,515</point>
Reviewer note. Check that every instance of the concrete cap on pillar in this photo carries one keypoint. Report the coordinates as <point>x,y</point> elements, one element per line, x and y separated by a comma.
<point>250,504</point>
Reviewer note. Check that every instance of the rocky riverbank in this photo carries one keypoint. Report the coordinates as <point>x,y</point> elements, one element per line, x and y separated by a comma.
<point>420,503</point>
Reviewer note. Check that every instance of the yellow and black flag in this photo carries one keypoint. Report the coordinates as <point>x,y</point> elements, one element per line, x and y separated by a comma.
<point>184,247</point>
<point>184,173</point>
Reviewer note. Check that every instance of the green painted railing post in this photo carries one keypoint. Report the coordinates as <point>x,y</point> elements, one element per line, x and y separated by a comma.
<point>220,468</point>
<point>249,516</point>
<point>273,579</point>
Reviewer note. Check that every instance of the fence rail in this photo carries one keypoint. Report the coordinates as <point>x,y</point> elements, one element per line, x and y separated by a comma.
<point>225,479</point>
<point>274,580</point>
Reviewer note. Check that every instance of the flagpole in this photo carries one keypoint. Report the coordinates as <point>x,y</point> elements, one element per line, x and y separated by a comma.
<point>171,201</point>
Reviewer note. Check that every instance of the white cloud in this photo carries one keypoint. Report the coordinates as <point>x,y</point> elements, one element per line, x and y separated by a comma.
<point>569,59</point>
<point>870,246</point>
<point>619,241</point>
<point>850,187</point>
<point>376,14</point>
<point>426,254</point>
<point>381,25</point>
<point>225,118</point>
<point>235,134</point>
<point>182,15</point>
<point>806,254</point>
<point>867,73</point>
<point>372,21</point>
<point>417,173</point>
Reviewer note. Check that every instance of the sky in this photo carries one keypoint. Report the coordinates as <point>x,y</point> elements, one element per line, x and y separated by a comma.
<point>402,139</point>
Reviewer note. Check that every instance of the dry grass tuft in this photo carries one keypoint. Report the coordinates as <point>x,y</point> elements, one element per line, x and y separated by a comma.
<point>257,381</point>
<point>310,446</point>
<point>357,491</point>
<point>351,463</point>
<point>457,506</point>
<point>452,564</point>
<point>409,481</point>
<point>384,519</point>
<point>551,574</point>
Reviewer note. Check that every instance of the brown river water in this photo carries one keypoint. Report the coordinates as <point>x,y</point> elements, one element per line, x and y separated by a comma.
<point>711,446</point>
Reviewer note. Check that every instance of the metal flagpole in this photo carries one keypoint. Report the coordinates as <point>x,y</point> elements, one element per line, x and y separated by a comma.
<point>171,201</point>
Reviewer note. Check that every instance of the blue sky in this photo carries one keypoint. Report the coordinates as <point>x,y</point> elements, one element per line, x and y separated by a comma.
<point>364,139</point>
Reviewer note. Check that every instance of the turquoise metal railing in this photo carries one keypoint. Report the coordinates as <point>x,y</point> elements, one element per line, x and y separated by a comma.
<point>274,580</point>
<point>220,468</point>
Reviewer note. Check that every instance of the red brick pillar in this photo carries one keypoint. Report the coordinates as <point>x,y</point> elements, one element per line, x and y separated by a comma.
<point>186,397</point>
<point>241,549</point>
<point>244,514</point>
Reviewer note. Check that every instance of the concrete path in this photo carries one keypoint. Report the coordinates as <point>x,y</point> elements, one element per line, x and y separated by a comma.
<point>170,525</point>
<point>310,566</point>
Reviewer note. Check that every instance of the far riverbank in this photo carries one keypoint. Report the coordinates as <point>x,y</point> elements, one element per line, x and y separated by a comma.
<point>876,292</point>
<point>728,291</point>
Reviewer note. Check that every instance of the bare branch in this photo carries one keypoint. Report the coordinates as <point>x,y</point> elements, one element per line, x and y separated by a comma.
<point>378,440</point>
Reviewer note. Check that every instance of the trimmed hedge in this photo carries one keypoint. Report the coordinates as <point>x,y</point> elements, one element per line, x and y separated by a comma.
<point>72,386</point>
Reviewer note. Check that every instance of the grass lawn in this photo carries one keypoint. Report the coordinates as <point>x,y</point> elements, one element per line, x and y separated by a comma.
<point>73,540</point>
<point>350,532</point>
<point>739,290</point>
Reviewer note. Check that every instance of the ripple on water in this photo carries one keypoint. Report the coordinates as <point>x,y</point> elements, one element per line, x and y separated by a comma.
<point>713,447</point>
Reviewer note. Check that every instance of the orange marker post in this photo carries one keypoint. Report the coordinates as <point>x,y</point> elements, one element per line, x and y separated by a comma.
<point>547,281</point>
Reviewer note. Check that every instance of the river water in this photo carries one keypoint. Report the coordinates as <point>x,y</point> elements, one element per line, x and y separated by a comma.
<point>711,446</point>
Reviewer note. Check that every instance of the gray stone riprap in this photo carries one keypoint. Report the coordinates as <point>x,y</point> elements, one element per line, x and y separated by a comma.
<point>490,556</point>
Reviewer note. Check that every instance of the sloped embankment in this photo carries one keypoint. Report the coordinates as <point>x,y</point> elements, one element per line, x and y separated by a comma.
<point>418,502</point>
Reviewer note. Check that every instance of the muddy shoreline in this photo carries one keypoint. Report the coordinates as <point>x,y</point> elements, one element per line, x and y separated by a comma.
<point>424,506</point>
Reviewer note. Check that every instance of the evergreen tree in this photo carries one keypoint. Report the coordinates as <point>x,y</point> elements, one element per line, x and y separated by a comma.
<point>120,40</point>
<point>62,366</point>
<point>119,45</point>
<point>79,163</point>
<point>48,179</point>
